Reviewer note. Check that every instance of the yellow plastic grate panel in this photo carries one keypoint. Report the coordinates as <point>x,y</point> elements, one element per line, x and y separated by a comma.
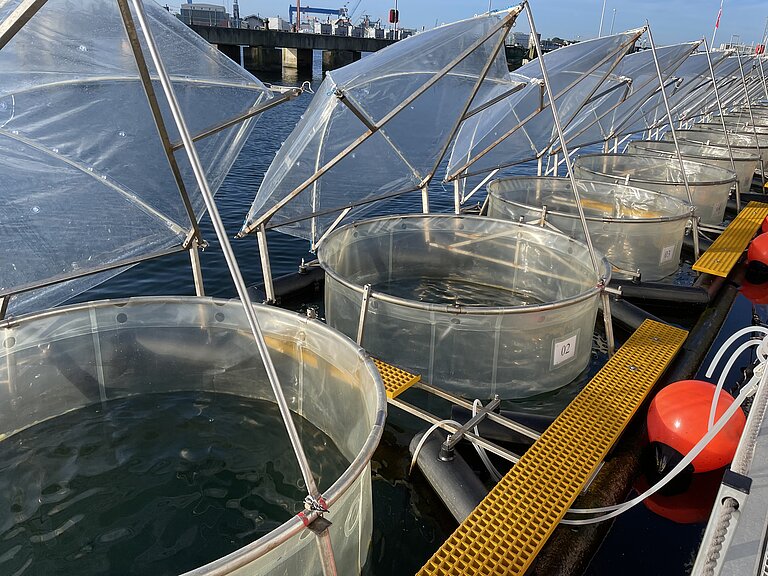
<point>722,256</point>
<point>396,380</point>
<point>509,527</point>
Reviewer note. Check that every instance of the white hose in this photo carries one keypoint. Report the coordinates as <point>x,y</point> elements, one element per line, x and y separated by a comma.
<point>700,445</point>
<point>761,353</point>
<point>724,376</point>
<point>736,335</point>
<point>495,474</point>
<point>614,511</point>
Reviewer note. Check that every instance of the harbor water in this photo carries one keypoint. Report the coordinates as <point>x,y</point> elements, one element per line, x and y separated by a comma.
<point>410,523</point>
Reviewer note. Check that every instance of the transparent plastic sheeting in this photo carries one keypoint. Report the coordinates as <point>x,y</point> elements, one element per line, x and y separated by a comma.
<point>693,95</point>
<point>520,127</point>
<point>741,140</point>
<point>637,230</point>
<point>86,181</point>
<point>476,350</point>
<point>744,160</point>
<point>709,185</point>
<point>607,117</point>
<point>690,79</point>
<point>120,348</point>
<point>405,151</point>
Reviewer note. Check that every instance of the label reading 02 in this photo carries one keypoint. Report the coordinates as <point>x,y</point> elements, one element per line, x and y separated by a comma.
<point>564,350</point>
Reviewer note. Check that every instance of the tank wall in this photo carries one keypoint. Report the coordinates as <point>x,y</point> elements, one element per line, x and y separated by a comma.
<point>350,534</point>
<point>710,199</point>
<point>651,247</point>
<point>745,168</point>
<point>59,362</point>
<point>477,356</point>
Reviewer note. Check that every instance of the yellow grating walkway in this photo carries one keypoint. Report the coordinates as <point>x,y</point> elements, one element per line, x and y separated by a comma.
<point>509,527</point>
<point>722,256</point>
<point>395,379</point>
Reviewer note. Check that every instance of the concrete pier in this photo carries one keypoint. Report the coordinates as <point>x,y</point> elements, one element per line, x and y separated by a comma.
<point>299,59</point>
<point>333,59</point>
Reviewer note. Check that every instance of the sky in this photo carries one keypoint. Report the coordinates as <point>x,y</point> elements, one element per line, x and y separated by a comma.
<point>671,21</point>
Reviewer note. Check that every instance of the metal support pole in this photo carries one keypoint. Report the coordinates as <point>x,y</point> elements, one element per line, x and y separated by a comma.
<point>16,20</point>
<point>157,115</point>
<point>722,122</point>
<point>751,118</point>
<point>457,196</point>
<point>563,145</point>
<point>4,300</point>
<point>608,322</point>
<point>694,223</point>
<point>566,157</point>
<point>234,269</point>
<point>266,267</point>
<point>762,75</point>
<point>602,15</point>
<point>363,313</point>
<point>425,199</point>
<point>197,270</point>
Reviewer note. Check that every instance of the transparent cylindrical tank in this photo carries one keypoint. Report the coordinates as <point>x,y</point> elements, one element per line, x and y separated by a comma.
<point>745,160</point>
<point>637,230</point>
<point>737,127</point>
<point>64,359</point>
<point>709,185</point>
<point>476,306</point>
<point>743,119</point>
<point>758,145</point>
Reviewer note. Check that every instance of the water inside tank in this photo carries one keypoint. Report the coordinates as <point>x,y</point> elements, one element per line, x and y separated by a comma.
<point>151,484</point>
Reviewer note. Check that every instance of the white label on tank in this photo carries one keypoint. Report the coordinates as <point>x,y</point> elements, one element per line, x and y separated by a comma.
<point>717,209</point>
<point>564,350</point>
<point>667,253</point>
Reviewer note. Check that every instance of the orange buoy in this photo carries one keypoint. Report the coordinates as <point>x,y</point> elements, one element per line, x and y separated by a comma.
<point>678,417</point>
<point>764,225</point>
<point>758,249</point>
<point>755,293</point>
<point>691,506</point>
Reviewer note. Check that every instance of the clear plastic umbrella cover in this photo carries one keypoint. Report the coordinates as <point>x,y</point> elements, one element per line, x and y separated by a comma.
<point>605,118</point>
<point>87,181</point>
<point>520,127</point>
<point>709,185</point>
<point>378,127</point>
<point>637,230</point>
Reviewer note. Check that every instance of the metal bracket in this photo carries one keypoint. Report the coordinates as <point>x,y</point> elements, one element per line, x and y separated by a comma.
<point>446,450</point>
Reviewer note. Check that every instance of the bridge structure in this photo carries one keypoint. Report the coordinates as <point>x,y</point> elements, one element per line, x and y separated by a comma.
<point>273,50</point>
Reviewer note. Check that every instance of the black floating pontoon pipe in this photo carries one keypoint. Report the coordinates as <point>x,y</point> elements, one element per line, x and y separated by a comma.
<point>453,481</point>
<point>629,315</point>
<point>658,293</point>
<point>291,285</point>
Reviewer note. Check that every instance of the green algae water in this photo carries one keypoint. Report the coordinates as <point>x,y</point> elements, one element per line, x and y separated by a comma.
<point>156,484</point>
